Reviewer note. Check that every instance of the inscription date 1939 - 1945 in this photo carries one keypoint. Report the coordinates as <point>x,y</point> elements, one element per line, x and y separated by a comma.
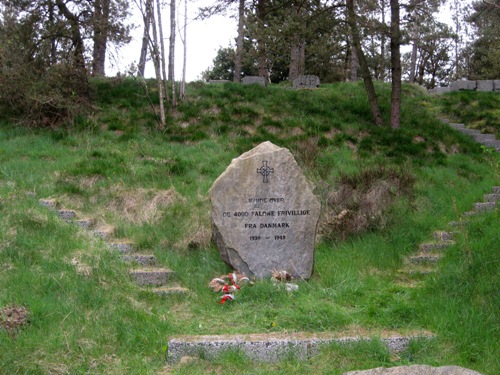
<point>276,238</point>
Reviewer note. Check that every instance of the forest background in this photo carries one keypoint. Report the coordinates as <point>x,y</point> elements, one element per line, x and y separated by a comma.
<point>50,48</point>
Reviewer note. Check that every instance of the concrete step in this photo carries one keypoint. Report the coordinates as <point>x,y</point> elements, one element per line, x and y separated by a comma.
<point>104,231</point>
<point>495,197</point>
<point>431,246</point>
<point>151,276</point>
<point>471,132</point>
<point>457,126</point>
<point>410,284</point>
<point>484,206</point>
<point>123,247</point>
<point>443,236</point>
<point>458,223</point>
<point>412,369</point>
<point>484,137</point>
<point>169,291</point>
<point>274,347</point>
<point>425,258</point>
<point>494,144</point>
<point>66,214</point>
<point>49,203</point>
<point>141,259</point>
<point>418,271</point>
<point>84,223</point>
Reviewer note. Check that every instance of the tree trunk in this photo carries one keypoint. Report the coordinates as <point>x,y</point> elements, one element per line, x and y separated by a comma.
<point>53,41</point>
<point>302,58</point>
<point>100,26</point>
<point>261,46</point>
<point>182,92</point>
<point>293,71</point>
<point>456,19</point>
<point>155,54</point>
<point>382,41</point>
<point>141,67</point>
<point>414,50</point>
<point>354,64</point>
<point>239,41</point>
<point>370,89</point>
<point>297,48</point>
<point>162,48</point>
<point>76,39</point>
<point>395,65</point>
<point>171,55</point>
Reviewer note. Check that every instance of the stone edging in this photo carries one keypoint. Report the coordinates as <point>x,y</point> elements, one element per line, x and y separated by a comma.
<point>273,347</point>
<point>487,140</point>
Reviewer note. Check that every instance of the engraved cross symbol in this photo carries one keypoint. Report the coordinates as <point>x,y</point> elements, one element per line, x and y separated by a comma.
<point>265,171</point>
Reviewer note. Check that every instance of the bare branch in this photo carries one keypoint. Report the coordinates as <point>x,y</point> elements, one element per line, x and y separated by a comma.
<point>495,5</point>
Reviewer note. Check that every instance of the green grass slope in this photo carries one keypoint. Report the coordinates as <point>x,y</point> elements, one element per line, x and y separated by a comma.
<point>86,316</point>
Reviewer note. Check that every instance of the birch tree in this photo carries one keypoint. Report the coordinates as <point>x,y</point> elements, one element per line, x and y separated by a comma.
<point>171,55</point>
<point>182,90</point>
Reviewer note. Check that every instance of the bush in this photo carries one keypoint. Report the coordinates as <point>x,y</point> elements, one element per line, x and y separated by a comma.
<point>362,201</point>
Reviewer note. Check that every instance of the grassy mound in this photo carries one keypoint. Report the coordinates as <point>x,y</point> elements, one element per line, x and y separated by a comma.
<point>84,315</point>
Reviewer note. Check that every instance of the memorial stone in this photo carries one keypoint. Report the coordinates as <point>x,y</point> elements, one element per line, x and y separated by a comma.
<point>496,85</point>
<point>463,85</point>
<point>440,90</point>
<point>248,80</point>
<point>306,82</point>
<point>264,214</point>
<point>485,86</point>
<point>218,81</point>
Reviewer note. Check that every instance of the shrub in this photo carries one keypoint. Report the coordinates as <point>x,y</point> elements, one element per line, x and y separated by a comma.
<point>362,201</point>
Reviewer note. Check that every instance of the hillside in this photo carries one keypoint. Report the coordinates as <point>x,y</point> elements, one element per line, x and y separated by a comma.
<point>80,312</point>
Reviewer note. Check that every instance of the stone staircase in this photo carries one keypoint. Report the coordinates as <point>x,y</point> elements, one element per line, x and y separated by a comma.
<point>270,347</point>
<point>417,266</point>
<point>488,140</point>
<point>145,271</point>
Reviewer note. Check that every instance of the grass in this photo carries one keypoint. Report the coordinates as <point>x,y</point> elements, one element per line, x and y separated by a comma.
<point>86,316</point>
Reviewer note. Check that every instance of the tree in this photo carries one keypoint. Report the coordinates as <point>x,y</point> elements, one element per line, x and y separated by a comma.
<point>239,41</point>
<point>155,54</point>
<point>484,53</point>
<point>146,9</point>
<point>223,64</point>
<point>433,60</point>
<point>182,90</point>
<point>171,55</point>
<point>43,80</point>
<point>419,13</point>
<point>78,47</point>
<point>365,72</point>
<point>395,65</point>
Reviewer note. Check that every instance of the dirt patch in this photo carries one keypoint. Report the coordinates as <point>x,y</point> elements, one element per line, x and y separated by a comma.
<point>273,130</point>
<point>330,134</point>
<point>13,317</point>
<point>141,205</point>
<point>249,129</point>
<point>212,111</point>
<point>361,202</point>
<point>197,238</point>
<point>81,268</point>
